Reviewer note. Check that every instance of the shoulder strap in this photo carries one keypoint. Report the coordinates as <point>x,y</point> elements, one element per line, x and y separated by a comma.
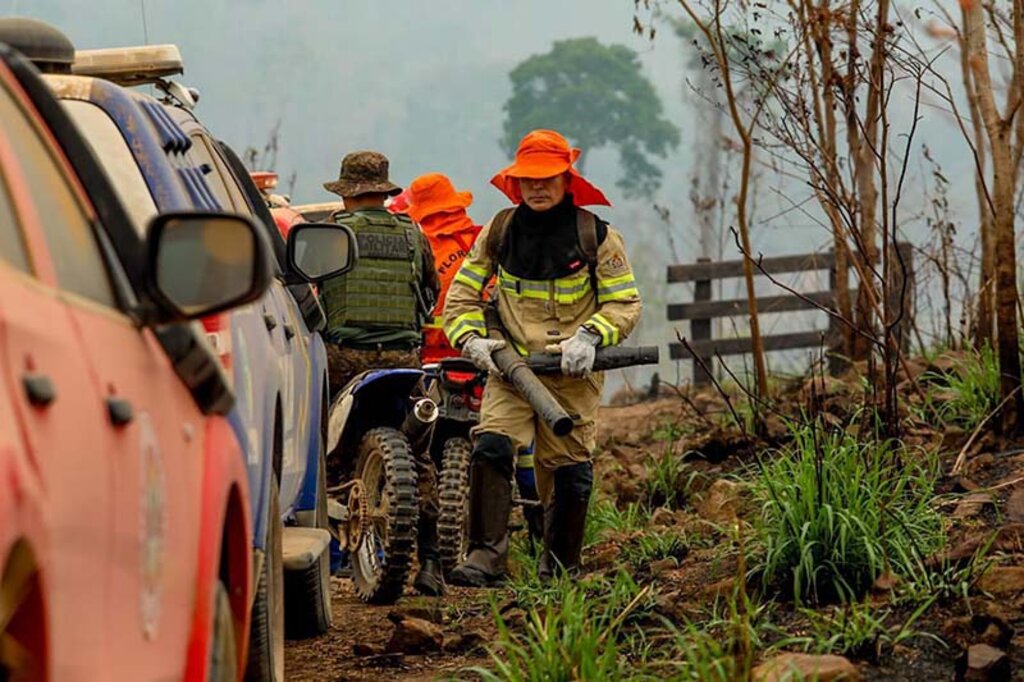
<point>586,233</point>
<point>496,236</point>
<point>340,216</point>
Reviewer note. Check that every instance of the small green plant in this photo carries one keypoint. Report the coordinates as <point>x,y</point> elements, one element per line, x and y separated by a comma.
<point>668,482</point>
<point>573,633</point>
<point>967,393</point>
<point>670,431</point>
<point>857,629</point>
<point>948,580</point>
<point>698,655</point>
<point>606,517</point>
<point>655,546</point>
<point>837,512</point>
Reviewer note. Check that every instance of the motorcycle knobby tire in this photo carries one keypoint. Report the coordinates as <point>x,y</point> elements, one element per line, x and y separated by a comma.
<point>388,470</point>
<point>453,493</point>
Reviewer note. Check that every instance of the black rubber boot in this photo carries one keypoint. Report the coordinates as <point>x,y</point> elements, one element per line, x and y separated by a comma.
<point>490,503</point>
<point>533,514</point>
<point>565,520</point>
<point>429,580</point>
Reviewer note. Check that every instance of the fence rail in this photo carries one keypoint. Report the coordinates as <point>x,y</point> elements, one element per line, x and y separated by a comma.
<point>703,309</point>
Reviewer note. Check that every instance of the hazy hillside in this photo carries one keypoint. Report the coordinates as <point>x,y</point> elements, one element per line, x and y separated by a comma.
<point>425,82</point>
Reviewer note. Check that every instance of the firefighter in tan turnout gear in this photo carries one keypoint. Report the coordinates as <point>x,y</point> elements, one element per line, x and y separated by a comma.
<point>563,283</point>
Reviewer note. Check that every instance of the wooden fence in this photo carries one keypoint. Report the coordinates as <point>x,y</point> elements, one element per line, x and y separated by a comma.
<point>703,309</point>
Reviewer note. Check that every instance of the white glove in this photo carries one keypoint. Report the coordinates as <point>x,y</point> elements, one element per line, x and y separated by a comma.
<point>478,350</point>
<point>577,352</point>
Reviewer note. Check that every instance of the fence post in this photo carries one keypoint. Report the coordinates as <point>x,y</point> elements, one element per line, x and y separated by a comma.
<point>906,324</point>
<point>837,364</point>
<point>700,329</point>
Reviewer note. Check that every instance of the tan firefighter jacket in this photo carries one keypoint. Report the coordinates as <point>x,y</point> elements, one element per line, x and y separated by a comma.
<point>537,313</point>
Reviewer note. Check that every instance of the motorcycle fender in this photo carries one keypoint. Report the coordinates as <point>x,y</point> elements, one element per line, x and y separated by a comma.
<point>340,411</point>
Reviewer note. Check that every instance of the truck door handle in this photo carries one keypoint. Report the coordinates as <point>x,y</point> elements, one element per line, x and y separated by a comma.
<point>120,411</point>
<point>289,331</point>
<point>39,389</point>
<point>270,321</point>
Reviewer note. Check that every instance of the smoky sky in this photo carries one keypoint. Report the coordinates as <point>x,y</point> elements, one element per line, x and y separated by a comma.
<point>424,82</point>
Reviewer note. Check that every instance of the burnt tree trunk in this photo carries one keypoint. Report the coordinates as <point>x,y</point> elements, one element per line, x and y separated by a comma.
<point>999,130</point>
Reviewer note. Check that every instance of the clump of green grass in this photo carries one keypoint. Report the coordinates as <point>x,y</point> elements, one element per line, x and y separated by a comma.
<point>668,481</point>
<point>655,546</point>
<point>836,513</point>
<point>606,517</point>
<point>965,395</point>
<point>857,629</point>
<point>699,655</point>
<point>572,633</point>
<point>671,430</point>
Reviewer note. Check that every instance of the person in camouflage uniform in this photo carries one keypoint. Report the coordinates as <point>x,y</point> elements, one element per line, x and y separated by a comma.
<point>376,313</point>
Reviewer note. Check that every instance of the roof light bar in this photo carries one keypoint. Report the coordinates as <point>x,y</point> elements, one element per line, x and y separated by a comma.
<point>130,65</point>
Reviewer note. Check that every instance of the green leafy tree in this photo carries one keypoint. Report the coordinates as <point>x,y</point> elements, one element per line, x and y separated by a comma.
<point>595,95</point>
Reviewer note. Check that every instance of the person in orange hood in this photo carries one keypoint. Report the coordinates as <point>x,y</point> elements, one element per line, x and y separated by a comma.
<point>440,211</point>
<point>564,284</point>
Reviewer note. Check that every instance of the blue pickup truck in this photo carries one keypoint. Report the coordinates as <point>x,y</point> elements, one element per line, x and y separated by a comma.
<point>160,158</point>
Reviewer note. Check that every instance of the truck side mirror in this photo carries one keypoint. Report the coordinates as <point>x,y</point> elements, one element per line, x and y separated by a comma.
<point>320,251</point>
<point>201,263</point>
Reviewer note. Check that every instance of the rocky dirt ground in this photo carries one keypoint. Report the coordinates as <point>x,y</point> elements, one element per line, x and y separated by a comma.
<point>981,637</point>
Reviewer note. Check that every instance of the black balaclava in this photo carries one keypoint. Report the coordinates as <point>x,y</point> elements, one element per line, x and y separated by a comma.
<point>544,244</point>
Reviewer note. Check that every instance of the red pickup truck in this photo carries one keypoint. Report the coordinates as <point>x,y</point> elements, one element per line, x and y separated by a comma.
<point>125,548</point>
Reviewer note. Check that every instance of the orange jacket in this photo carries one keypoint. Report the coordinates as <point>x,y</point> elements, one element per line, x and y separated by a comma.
<point>451,235</point>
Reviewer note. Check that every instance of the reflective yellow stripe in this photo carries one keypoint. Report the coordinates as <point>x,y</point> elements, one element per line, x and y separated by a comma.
<point>436,323</point>
<point>609,332</point>
<point>572,289</point>
<point>567,290</point>
<point>520,349</point>
<point>613,281</point>
<point>523,288</point>
<point>472,276</point>
<point>617,288</point>
<point>473,321</point>
<point>525,462</point>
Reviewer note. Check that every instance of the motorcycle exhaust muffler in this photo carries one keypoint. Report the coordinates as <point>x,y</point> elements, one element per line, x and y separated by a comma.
<point>418,426</point>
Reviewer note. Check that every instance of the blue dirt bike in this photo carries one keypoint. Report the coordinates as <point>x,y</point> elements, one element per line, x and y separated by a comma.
<point>375,426</point>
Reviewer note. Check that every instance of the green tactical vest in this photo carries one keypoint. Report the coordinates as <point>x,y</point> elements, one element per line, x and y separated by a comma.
<point>380,292</point>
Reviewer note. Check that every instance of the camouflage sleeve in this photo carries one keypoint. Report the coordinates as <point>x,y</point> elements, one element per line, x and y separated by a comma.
<point>618,299</point>
<point>464,303</point>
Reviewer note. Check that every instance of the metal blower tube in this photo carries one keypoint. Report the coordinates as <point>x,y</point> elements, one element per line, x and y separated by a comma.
<point>518,373</point>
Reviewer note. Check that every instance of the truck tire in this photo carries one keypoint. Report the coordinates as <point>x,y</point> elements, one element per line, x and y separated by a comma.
<point>223,647</point>
<point>307,610</point>
<point>383,555</point>
<point>453,491</point>
<point>266,634</point>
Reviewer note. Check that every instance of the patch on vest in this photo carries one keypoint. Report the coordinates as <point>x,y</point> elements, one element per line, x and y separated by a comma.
<point>383,246</point>
<point>616,265</point>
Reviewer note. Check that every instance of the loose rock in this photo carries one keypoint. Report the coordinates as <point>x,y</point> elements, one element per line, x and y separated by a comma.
<point>662,565</point>
<point>1002,581</point>
<point>415,636</point>
<point>467,641</point>
<point>885,583</point>
<point>980,628</point>
<point>983,662</point>
<point>1015,506</point>
<point>793,667</point>
<point>720,503</point>
<point>973,505</point>
<point>364,650</point>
